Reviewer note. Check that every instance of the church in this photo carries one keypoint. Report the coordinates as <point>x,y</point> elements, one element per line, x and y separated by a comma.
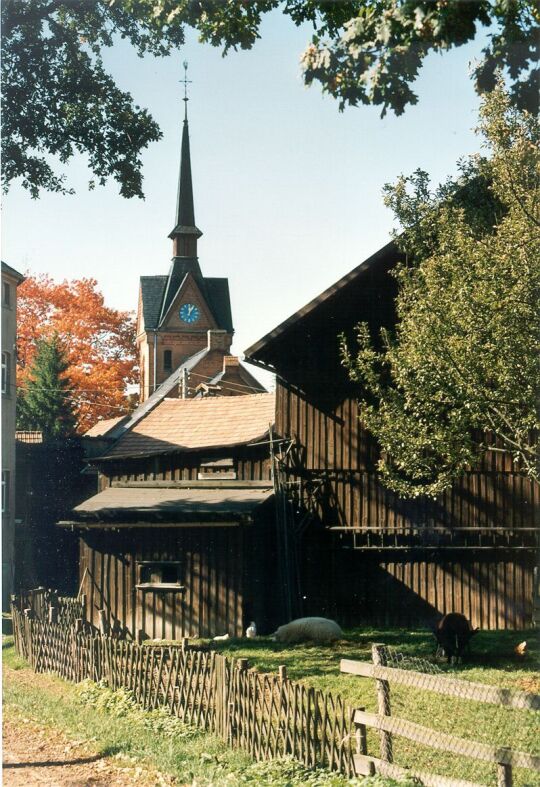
<point>184,320</point>
<point>178,541</point>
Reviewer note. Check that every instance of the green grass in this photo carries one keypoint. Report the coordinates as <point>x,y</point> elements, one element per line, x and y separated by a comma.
<point>492,661</point>
<point>114,725</point>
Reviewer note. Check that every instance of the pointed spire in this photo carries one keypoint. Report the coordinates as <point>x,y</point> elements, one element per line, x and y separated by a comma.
<point>185,233</point>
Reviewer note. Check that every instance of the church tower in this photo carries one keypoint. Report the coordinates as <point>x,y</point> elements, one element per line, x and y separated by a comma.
<point>184,318</point>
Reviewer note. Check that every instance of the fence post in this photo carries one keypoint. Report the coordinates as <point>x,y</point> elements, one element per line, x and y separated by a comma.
<point>361,737</point>
<point>378,653</point>
<point>53,614</point>
<point>504,772</point>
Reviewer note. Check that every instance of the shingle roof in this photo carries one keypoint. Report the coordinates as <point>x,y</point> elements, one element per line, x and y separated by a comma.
<point>101,428</point>
<point>193,424</point>
<point>119,503</point>
<point>387,253</point>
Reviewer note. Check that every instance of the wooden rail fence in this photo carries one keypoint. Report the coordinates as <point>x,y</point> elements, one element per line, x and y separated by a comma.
<point>266,715</point>
<point>389,725</point>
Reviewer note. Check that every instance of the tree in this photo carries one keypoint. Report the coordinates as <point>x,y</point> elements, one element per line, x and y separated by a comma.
<point>460,376</point>
<point>98,343</point>
<point>44,403</point>
<point>58,99</point>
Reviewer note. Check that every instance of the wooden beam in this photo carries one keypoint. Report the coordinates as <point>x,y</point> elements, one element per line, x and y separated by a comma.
<point>394,771</point>
<point>452,687</point>
<point>214,484</point>
<point>446,742</point>
<point>149,525</point>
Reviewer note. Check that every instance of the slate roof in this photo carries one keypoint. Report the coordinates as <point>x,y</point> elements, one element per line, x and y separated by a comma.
<point>152,290</point>
<point>157,293</point>
<point>195,424</point>
<point>161,504</point>
<point>7,269</point>
<point>219,300</point>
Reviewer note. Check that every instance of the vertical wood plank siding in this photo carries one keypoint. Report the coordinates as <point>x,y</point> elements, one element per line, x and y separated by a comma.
<point>493,589</point>
<point>216,563</point>
<point>212,573</point>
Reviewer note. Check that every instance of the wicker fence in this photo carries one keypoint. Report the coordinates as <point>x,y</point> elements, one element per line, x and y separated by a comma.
<point>266,715</point>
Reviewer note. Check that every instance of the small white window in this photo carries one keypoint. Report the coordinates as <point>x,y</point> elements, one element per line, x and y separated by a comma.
<point>5,490</point>
<point>6,372</point>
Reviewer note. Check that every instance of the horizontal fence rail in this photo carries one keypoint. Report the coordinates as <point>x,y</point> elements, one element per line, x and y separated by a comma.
<point>265,714</point>
<point>388,725</point>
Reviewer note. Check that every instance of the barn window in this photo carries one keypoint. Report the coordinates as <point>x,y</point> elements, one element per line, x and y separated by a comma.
<point>217,469</point>
<point>6,372</point>
<point>167,360</point>
<point>159,575</point>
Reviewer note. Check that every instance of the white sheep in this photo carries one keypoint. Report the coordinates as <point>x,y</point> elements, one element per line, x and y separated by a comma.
<point>303,629</point>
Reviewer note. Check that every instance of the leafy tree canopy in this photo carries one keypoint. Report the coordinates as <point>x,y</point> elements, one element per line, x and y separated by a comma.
<point>58,98</point>
<point>461,374</point>
<point>45,403</point>
<point>98,344</point>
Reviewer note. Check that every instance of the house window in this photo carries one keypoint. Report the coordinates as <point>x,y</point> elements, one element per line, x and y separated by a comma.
<point>167,360</point>
<point>162,575</point>
<point>5,490</point>
<point>6,372</point>
<point>6,294</point>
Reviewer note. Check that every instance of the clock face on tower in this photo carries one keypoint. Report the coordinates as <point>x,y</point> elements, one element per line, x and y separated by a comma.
<point>189,312</point>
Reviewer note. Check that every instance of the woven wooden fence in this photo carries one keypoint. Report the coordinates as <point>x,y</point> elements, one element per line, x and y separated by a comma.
<point>266,715</point>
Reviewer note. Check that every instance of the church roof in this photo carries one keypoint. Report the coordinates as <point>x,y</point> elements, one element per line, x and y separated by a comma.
<point>157,297</point>
<point>185,211</point>
<point>152,290</point>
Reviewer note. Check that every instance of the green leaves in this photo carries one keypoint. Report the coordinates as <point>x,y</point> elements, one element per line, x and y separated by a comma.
<point>58,100</point>
<point>461,374</point>
<point>45,402</point>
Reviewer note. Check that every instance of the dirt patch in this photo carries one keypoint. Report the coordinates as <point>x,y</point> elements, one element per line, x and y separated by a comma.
<point>37,755</point>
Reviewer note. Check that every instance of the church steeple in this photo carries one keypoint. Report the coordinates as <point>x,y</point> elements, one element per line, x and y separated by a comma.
<point>185,232</point>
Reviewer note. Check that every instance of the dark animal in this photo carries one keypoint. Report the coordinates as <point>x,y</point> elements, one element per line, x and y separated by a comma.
<point>453,634</point>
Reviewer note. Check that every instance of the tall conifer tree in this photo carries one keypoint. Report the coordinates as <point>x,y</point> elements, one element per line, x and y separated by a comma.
<point>45,403</point>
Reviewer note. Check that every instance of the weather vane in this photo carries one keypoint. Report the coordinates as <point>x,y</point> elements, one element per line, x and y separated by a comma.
<point>186,82</point>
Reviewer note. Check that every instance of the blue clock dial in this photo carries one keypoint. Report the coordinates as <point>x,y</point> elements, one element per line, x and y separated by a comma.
<point>189,312</point>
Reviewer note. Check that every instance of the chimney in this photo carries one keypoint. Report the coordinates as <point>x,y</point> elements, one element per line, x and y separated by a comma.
<point>230,361</point>
<point>219,340</point>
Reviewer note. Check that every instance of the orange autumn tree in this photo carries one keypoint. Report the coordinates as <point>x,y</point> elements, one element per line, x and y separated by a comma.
<point>98,342</point>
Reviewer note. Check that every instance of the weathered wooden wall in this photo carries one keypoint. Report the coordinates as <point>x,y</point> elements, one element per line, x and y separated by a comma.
<point>212,573</point>
<point>250,464</point>
<point>225,570</point>
<point>335,462</point>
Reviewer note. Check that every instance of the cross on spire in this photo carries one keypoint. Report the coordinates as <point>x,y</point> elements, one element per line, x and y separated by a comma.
<point>186,82</point>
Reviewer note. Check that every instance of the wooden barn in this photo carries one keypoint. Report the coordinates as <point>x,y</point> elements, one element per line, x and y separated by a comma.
<point>179,539</point>
<point>365,555</point>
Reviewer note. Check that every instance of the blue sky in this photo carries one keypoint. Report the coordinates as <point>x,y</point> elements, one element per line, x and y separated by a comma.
<point>287,189</point>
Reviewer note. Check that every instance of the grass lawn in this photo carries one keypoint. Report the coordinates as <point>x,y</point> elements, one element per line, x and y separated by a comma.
<point>492,661</point>
<point>115,726</point>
